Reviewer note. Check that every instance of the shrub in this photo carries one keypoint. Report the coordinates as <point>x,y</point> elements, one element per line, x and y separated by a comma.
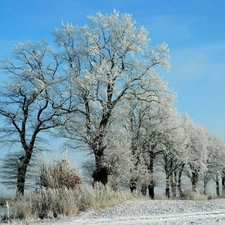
<point>58,174</point>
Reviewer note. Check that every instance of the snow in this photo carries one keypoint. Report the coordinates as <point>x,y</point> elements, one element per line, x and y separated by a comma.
<point>152,212</point>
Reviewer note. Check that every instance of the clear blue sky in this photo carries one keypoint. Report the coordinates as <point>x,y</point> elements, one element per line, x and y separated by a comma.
<point>193,29</point>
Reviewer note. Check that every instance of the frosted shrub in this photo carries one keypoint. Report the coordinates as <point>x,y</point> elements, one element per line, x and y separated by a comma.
<point>58,174</point>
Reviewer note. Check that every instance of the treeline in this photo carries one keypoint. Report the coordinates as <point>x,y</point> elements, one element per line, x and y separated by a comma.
<point>170,149</point>
<point>99,88</point>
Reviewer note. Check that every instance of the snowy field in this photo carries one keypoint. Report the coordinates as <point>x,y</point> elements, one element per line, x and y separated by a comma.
<point>145,212</point>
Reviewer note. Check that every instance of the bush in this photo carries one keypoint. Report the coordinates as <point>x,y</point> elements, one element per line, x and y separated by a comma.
<point>58,174</point>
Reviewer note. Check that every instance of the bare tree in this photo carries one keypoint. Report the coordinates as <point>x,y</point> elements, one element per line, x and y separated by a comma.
<point>32,101</point>
<point>107,64</point>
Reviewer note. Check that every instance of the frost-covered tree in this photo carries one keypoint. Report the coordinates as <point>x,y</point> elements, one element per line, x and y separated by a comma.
<point>148,126</point>
<point>174,144</point>
<point>215,160</point>
<point>107,64</point>
<point>197,151</point>
<point>32,101</point>
<point>118,157</point>
<point>137,117</point>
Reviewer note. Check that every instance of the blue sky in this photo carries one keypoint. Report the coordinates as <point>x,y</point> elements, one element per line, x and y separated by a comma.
<point>193,29</point>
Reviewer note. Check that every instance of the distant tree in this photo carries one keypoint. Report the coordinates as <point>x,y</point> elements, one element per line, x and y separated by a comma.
<point>32,101</point>
<point>147,126</point>
<point>174,145</point>
<point>118,157</point>
<point>136,115</point>
<point>197,151</point>
<point>107,64</point>
<point>215,160</point>
<point>159,130</point>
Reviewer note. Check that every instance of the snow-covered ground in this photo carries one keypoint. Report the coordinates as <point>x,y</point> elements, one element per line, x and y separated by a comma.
<point>145,212</point>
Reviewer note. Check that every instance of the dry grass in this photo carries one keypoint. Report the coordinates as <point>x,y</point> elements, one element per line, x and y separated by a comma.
<point>160,197</point>
<point>49,203</point>
<point>62,194</point>
<point>102,196</point>
<point>190,195</point>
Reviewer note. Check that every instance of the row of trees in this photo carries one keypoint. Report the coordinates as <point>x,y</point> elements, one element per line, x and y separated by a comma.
<point>99,88</point>
<point>169,146</point>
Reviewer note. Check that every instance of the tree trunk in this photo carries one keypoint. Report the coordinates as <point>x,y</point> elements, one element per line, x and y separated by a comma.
<point>101,175</point>
<point>144,189</point>
<point>21,173</point>
<point>134,179</point>
<point>174,184</point>
<point>223,184</point>
<point>151,191</point>
<point>179,181</point>
<point>21,177</point>
<point>151,186</point>
<point>217,186</point>
<point>167,186</point>
<point>133,184</point>
<point>101,172</point>
<point>204,187</point>
<point>194,180</point>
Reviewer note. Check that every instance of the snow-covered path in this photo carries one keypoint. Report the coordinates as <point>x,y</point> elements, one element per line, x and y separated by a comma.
<point>188,218</point>
<point>147,212</point>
